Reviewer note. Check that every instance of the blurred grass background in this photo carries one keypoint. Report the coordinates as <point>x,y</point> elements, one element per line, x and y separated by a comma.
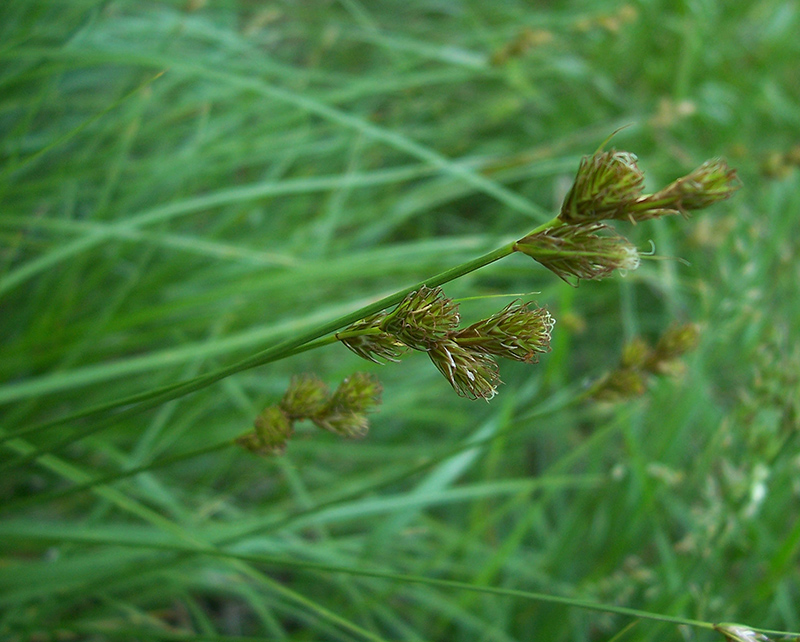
<point>185,183</point>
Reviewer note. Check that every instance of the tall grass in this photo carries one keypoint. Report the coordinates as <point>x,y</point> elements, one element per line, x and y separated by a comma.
<point>185,185</point>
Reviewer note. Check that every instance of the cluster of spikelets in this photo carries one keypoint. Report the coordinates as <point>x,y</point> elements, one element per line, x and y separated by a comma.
<point>575,245</point>
<point>640,362</point>
<point>609,186</point>
<point>428,321</point>
<point>344,412</point>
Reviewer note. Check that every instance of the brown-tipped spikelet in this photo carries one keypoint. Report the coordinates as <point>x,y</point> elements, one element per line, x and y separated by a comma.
<point>579,251</point>
<point>369,342</point>
<point>712,182</point>
<point>422,318</point>
<point>606,186</point>
<point>427,321</point>
<point>517,332</point>
<point>472,373</point>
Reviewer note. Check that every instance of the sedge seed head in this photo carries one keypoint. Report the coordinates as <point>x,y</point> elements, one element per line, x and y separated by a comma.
<point>606,186</point>
<point>676,341</point>
<point>712,182</point>
<point>579,251</point>
<point>422,318</point>
<point>471,373</point>
<point>272,429</point>
<point>352,425</point>
<point>304,397</point>
<point>345,413</point>
<point>518,332</point>
<point>365,339</point>
<point>621,384</point>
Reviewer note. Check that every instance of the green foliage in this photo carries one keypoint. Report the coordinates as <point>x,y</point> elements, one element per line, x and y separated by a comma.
<point>190,186</point>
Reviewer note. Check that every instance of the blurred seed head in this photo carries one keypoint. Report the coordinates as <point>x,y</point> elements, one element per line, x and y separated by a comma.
<point>360,392</point>
<point>676,341</point>
<point>343,423</point>
<point>272,429</point>
<point>635,353</point>
<point>640,362</point>
<point>345,413</point>
<point>304,397</point>
<point>620,384</point>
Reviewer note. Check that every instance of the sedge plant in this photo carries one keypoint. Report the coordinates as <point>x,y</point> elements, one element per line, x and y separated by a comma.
<point>577,244</point>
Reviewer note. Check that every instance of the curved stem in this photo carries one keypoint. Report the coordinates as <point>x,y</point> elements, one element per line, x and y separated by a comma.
<point>300,343</point>
<point>112,477</point>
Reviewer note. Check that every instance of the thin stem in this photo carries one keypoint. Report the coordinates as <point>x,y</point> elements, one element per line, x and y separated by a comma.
<point>391,480</point>
<point>300,343</point>
<point>278,562</point>
<point>112,477</point>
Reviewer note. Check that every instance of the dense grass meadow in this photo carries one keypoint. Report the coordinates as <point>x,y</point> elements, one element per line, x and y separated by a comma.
<point>191,191</point>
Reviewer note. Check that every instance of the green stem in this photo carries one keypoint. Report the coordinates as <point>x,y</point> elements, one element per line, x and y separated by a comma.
<point>391,480</point>
<point>304,341</point>
<point>112,477</point>
<point>283,563</point>
<point>308,340</point>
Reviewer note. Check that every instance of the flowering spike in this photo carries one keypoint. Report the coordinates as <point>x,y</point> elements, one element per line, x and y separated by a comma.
<point>620,384</point>
<point>516,332</point>
<point>578,251</point>
<point>676,341</point>
<point>369,342</point>
<point>710,183</point>
<point>422,318</point>
<point>272,429</point>
<point>639,362</point>
<point>304,397</point>
<point>606,186</point>
<point>472,373</point>
<point>345,413</point>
